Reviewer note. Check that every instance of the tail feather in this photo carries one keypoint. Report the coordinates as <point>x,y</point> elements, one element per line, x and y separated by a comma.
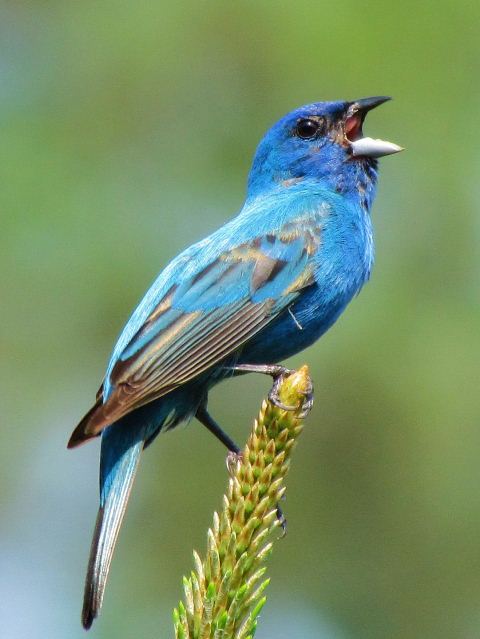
<point>109,519</point>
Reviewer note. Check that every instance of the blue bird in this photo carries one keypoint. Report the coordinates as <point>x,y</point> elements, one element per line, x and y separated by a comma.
<point>264,286</point>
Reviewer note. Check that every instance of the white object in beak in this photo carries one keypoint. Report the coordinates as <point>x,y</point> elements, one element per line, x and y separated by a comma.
<point>373,148</point>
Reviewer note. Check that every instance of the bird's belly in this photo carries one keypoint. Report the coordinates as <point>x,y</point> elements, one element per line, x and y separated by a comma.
<point>296,328</point>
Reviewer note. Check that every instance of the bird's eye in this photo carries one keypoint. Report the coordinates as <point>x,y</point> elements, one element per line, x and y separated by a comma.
<point>307,128</point>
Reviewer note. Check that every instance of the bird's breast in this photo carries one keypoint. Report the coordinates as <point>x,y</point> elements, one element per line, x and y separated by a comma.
<point>341,264</point>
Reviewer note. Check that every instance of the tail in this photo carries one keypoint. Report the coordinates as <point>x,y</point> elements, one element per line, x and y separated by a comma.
<point>121,449</point>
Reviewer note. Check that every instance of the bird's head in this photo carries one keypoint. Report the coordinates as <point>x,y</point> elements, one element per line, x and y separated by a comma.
<point>323,142</point>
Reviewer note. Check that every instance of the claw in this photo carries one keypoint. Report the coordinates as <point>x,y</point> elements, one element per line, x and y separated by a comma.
<point>282,521</point>
<point>232,461</point>
<point>273,399</point>
<point>273,396</point>
<point>308,402</point>
<point>278,373</point>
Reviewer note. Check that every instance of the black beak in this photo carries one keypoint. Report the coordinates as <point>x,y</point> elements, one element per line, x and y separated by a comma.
<point>367,104</point>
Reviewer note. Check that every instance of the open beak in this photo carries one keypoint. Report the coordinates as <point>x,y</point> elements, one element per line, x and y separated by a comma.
<point>362,146</point>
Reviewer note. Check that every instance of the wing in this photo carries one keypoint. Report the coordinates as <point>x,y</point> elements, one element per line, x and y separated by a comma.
<point>206,317</point>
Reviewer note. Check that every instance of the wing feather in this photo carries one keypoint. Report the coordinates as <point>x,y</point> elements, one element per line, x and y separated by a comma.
<point>201,321</point>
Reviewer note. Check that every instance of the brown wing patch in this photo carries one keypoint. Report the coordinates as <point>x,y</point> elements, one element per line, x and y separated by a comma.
<point>99,394</point>
<point>265,270</point>
<point>163,305</point>
<point>306,227</point>
<point>122,372</point>
<point>136,385</point>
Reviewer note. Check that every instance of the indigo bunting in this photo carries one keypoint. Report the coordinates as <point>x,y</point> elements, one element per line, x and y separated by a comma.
<point>264,286</point>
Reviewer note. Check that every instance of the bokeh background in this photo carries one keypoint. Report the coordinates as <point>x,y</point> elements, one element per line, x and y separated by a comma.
<point>127,130</point>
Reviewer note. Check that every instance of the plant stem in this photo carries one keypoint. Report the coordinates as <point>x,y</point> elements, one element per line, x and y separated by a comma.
<point>225,592</point>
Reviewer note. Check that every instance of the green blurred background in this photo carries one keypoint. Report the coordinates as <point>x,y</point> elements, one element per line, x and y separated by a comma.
<point>127,130</point>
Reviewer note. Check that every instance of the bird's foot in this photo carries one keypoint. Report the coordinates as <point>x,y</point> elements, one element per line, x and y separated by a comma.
<point>308,401</point>
<point>282,521</point>
<point>232,461</point>
<point>279,375</point>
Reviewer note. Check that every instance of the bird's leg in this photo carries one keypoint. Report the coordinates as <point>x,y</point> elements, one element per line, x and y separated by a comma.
<point>278,373</point>
<point>235,452</point>
<point>207,420</point>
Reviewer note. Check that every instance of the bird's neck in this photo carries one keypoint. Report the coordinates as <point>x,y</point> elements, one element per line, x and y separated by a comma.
<point>356,182</point>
